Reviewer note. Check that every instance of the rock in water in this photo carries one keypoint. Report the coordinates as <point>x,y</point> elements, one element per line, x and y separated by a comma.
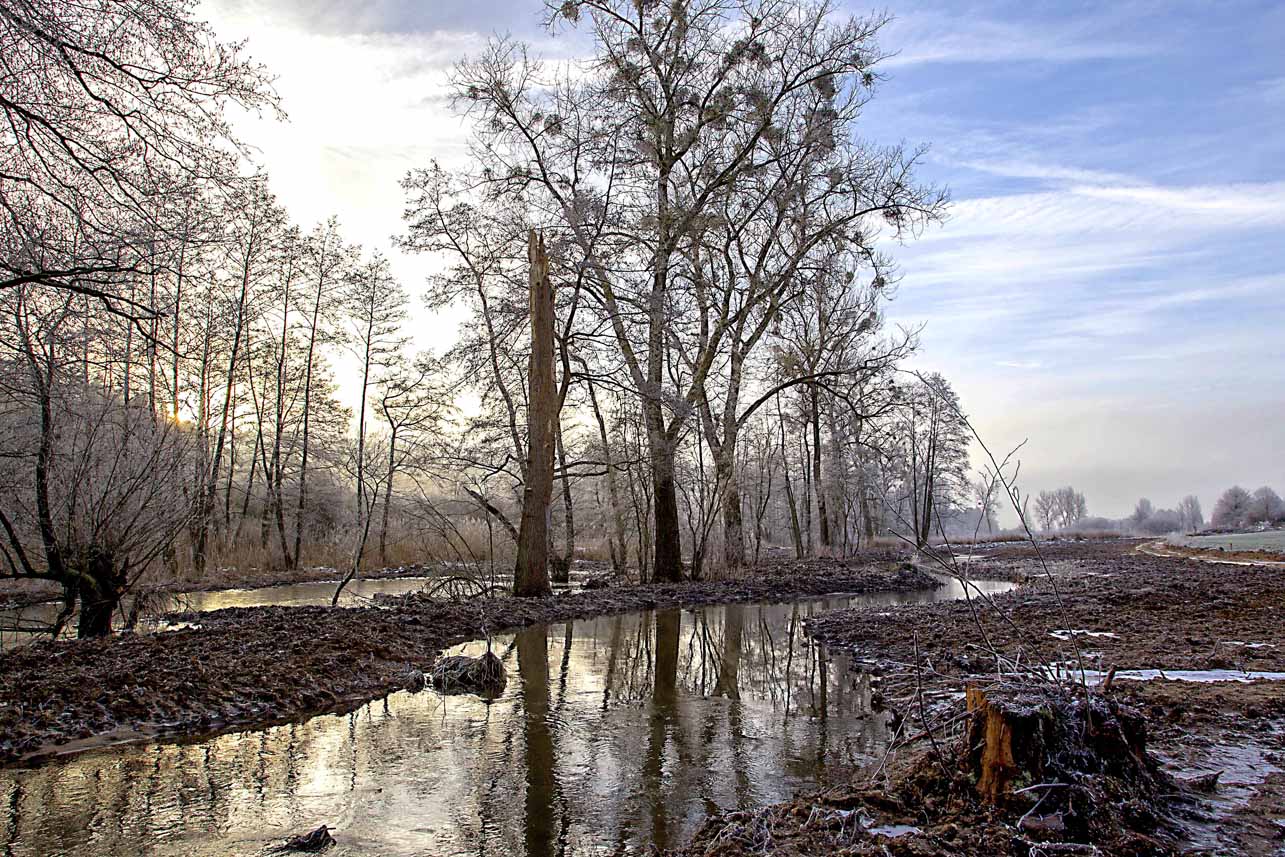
<point>313,842</point>
<point>461,674</point>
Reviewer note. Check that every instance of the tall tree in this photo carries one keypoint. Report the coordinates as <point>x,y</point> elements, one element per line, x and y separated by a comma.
<point>531,574</point>
<point>934,455</point>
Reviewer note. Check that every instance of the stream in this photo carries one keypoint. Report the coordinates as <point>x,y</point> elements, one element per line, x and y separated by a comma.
<point>612,733</point>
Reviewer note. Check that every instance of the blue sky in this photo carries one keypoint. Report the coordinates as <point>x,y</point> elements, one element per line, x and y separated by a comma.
<point>1110,285</point>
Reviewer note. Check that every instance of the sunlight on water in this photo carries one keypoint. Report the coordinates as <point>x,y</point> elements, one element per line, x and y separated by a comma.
<point>611,733</point>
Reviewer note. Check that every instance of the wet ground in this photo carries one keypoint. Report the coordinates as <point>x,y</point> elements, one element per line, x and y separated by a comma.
<point>29,612</point>
<point>1112,612</point>
<point>613,734</point>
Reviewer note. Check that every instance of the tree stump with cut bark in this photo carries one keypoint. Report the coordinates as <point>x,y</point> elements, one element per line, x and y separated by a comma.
<point>1039,738</point>
<point>1005,746</point>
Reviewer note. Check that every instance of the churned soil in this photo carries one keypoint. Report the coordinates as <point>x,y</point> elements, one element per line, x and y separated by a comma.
<point>1098,604</point>
<point>1081,775</point>
<point>248,667</point>
<point>1114,609</point>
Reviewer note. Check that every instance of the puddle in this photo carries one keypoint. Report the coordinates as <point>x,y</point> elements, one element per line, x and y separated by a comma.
<point>1096,676</point>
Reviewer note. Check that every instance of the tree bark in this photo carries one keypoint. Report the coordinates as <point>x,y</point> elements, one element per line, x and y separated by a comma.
<point>388,498</point>
<point>531,573</point>
<point>562,565</point>
<point>618,549</point>
<point>100,588</point>
<point>733,521</point>
<point>796,533</point>
<point>668,566</point>
<point>818,483</point>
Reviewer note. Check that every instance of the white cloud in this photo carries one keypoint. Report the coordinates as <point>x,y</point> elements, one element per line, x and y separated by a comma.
<point>932,37</point>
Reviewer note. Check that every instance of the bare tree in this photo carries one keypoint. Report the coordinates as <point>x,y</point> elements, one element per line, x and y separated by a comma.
<point>934,455</point>
<point>531,574</point>
<point>112,113</point>
<point>1190,514</point>
<point>92,483</point>
<point>681,107</point>
<point>1266,507</point>
<point>413,403</point>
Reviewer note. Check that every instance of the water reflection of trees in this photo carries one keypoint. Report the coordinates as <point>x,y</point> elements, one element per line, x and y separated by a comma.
<point>614,732</point>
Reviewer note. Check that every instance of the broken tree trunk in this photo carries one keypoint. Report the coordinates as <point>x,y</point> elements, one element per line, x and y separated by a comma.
<point>1023,740</point>
<point>997,740</point>
<point>531,574</point>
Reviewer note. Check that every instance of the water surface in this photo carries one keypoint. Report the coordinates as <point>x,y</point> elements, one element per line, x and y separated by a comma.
<point>611,733</point>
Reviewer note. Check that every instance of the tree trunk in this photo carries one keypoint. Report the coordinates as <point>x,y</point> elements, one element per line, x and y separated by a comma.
<point>818,483</point>
<point>388,498</point>
<point>100,593</point>
<point>616,540</point>
<point>531,573</point>
<point>96,611</point>
<point>795,533</point>
<point>562,566</point>
<point>206,505</point>
<point>668,565</point>
<point>733,522</point>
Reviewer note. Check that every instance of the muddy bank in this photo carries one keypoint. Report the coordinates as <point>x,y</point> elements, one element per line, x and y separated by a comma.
<point>1074,770</point>
<point>1126,611</point>
<point>246,667</point>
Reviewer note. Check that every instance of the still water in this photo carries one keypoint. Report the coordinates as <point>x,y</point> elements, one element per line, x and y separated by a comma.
<point>611,733</point>
<point>318,593</point>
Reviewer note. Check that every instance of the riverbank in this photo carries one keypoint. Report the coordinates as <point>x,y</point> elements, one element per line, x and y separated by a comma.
<point>244,668</point>
<point>1110,610</point>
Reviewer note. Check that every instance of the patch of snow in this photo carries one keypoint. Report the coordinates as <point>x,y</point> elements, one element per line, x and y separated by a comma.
<point>1065,635</point>
<point>892,831</point>
<point>1069,671</point>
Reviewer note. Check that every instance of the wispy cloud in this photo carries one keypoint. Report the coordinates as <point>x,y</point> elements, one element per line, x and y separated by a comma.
<point>1272,90</point>
<point>938,37</point>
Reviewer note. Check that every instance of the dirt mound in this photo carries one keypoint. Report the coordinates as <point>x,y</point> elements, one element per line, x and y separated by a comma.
<point>483,676</point>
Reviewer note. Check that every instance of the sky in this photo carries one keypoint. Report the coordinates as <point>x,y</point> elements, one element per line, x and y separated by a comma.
<point>1109,286</point>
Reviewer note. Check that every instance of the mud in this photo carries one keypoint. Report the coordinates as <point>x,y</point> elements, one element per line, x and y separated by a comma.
<point>1085,779</point>
<point>1162,613</point>
<point>1144,612</point>
<point>248,667</point>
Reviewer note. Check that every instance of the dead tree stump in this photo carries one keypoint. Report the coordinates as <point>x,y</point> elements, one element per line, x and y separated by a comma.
<point>1004,746</point>
<point>1036,738</point>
